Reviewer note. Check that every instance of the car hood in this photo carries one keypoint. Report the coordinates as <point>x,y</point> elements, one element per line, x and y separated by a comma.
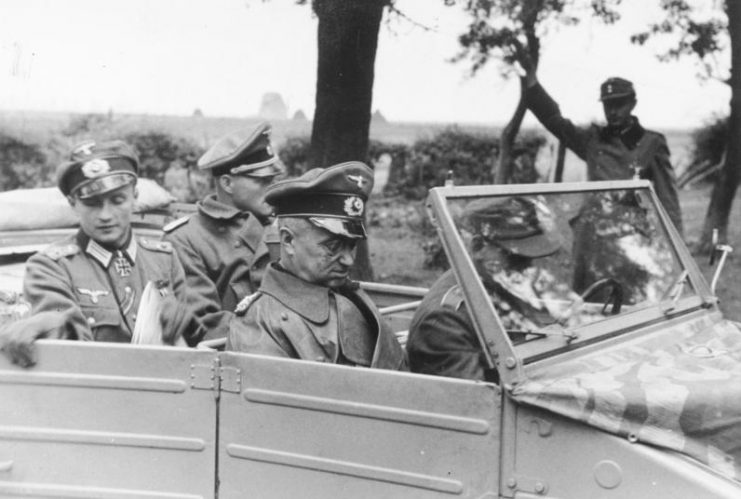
<point>678,388</point>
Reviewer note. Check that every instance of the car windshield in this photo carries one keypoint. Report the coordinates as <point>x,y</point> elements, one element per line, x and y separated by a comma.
<point>554,262</point>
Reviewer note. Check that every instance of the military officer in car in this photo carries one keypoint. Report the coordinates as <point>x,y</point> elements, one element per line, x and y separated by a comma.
<point>89,285</point>
<point>506,237</point>
<point>307,307</point>
<point>223,246</point>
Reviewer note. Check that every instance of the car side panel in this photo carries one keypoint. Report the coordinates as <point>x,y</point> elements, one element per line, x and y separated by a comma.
<point>104,420</point>
<point>304,429</point>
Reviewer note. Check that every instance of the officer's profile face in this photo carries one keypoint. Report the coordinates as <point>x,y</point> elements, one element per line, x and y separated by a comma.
<point>619,110</point>
<point>248,193</point>
<point>106,218</point>
<point>315,254</point>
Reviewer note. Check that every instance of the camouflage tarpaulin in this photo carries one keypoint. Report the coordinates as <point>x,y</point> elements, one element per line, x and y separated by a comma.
<point>678,389</point>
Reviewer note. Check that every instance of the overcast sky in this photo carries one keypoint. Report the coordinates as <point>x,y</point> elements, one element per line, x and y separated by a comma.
<point>172,56</point>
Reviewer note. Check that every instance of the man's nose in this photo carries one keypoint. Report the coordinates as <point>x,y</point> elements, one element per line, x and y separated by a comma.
<point>347,256</point>
<point>106,211</point>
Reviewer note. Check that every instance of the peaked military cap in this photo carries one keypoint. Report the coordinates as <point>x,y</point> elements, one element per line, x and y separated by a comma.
<point>243,152</point>
<point>512,224</point>
<point>94,168</point>
<point>332,198</point>
<point>615,88</point>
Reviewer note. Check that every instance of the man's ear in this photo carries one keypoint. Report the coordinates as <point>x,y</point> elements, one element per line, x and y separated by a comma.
<point>225,182</point>
<point>286,240</point>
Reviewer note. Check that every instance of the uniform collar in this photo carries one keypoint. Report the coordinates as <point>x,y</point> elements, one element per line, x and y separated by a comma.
<point>629,136</point>
<point>101,254</point>
<point>213,208</point>
<point>306,299</point>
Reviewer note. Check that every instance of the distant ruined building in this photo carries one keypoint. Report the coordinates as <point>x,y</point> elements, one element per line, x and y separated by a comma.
<point>378,117</point>
<point>273,107</point>
<point>299,115</point>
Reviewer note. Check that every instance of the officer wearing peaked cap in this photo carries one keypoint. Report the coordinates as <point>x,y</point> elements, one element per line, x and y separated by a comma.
<point>508,236</point>
<point>89,286</point>
<point>306,307</point>
<point>619,151</point>
<point>223,246</point>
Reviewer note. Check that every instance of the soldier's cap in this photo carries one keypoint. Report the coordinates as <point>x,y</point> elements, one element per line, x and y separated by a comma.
<point>95,168</point>
<point>244,152</point>
<point>332,198</point>
<point>511,224</point>
<point>616,88</point>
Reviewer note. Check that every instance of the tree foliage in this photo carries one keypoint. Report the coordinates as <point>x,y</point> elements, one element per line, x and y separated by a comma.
<point>696,29</point>
<point>499,29</point>
<point>704,30</point>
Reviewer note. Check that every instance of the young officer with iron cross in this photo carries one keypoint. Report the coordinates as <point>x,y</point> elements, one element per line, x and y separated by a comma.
<point>89,286</point>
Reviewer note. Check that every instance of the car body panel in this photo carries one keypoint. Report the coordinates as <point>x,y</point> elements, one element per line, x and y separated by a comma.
<point>300,429</point>
<point>102,420</point>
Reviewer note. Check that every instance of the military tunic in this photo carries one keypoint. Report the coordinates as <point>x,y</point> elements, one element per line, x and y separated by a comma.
<point>79,276</point>
<point>290,317</point>
<point>611,154</point>
<point>224,256</point>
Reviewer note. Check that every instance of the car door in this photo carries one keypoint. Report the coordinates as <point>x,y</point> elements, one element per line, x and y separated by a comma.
<point>291,428</point>
<point>106,420</point>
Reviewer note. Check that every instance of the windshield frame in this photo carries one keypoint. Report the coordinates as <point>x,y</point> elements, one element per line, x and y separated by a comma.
<point>499,350</point>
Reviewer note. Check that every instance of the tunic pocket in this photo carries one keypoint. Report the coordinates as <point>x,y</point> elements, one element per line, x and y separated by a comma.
<point>105,323</point>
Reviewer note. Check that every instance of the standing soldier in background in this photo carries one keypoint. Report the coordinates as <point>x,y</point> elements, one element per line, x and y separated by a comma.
<point>222,246</point>
<point>89,286</point>
<point>621,150</point>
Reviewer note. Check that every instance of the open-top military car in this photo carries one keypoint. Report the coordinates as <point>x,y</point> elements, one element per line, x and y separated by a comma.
<point>631,391</point>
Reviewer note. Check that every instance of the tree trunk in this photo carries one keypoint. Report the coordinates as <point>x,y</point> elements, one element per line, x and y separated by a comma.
<point>725,187</point>
<point>504,164</point>
<point>347,41</point>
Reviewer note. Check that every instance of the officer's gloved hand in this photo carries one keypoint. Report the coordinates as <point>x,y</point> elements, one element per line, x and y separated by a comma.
<point>179,324</point>
<point>17,338</point>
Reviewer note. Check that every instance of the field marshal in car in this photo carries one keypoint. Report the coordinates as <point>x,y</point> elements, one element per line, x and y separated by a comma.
<point>89,286</point>
<point>307,307</point>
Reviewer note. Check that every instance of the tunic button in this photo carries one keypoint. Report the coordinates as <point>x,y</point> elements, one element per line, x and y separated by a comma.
<point>91,320</point>
<point>283,316</point>
<point>237,244</point>
<point>133,317</point>
<point>127,289</point>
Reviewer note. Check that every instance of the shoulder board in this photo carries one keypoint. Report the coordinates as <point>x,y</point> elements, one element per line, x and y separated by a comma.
<point>176,223</point>
<point>453,298</point>
<point>60,250</point>
<point>246,302</point>
<point>161,246</point>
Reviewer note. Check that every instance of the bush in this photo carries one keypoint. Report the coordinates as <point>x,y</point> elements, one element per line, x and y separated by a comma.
<point>294,153</point>
<point>170,161</point>
<point>22,165</point>
<point>709,145</point>
<point>469,156</point>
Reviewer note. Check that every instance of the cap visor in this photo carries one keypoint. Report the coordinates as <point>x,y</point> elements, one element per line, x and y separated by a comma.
<point>104,184</point>
<point>354,229</point>
<point>532,247</point>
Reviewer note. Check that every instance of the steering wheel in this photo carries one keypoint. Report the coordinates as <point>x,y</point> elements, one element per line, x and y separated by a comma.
<point>616,293</point>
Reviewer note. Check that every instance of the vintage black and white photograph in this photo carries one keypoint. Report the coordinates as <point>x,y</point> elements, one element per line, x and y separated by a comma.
<point>370,249</point>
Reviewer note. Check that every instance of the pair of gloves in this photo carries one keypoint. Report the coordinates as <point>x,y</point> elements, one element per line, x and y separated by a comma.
<point>17,338</point>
